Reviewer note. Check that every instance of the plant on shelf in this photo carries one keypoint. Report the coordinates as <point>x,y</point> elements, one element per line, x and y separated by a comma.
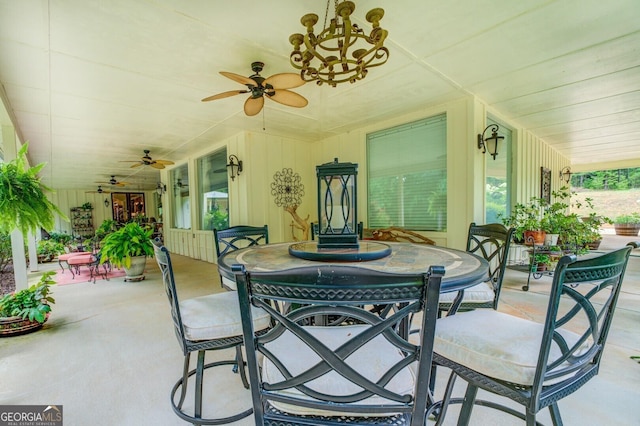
<point>525,219</point>
<point>541,262</point>
<point>628,224</point>
<point>87,206</point>
<point>26,310</point>
<point>132,241</point>
<point>573,233</point>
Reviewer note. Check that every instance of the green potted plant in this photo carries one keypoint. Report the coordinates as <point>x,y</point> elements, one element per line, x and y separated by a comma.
<point>526,219</point>
<point>128,247</point>
<point>627,224</point>
<point>106,227</point>
<point>23,203</point>
<point>541,262</point>
<point>26,310</point>
<point>49,249</point>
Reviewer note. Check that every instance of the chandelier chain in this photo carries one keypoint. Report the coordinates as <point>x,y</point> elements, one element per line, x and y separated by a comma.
<point>341,51</point>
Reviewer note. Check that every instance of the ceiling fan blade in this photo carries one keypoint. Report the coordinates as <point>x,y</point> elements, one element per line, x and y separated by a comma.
<point>224,95</point>
<point>138,164</point>
<point>284,81</point>
<point>289,98</point>
<point>239,78</point>
<point>165,162</point>
<point>157,165</point>
<point>252,106</point>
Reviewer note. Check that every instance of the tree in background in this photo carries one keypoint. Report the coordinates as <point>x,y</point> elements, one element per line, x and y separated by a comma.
<point>620,179</point>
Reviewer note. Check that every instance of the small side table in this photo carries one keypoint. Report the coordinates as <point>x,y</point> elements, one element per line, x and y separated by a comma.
<point>89,260</point>
<point>65,258</point>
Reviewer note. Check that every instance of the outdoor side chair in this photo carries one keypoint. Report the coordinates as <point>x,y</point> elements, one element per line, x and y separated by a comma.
<point>535,364</point>
<point>360,371</point>
<point>491,242</point>
<point>204,323</point>
<point>235,238</point>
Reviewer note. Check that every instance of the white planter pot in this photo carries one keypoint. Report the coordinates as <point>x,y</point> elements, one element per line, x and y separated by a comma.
<point>551,239</point>
<point>135,272</point>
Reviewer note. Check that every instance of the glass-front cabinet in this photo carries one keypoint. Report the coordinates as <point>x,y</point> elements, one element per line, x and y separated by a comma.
<point>127,206</point>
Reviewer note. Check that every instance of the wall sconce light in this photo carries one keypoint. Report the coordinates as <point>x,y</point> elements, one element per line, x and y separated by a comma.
<point>161,188</point>
<point>106,202</point>
<point>491,143</point>
<point>565,174</point>
<point>234,167</point>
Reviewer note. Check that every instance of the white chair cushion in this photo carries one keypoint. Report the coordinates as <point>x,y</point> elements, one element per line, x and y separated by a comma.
<point>229,284</point>
<point>495,344</point>
<point>372,360</point>
<point>479,293</point>
<point>216,316</point>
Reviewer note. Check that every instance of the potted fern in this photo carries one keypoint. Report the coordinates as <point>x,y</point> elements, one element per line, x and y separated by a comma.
<point>26,310</point>
<point>23,203</point>
<point>25,207</point>
<point>128,247</point>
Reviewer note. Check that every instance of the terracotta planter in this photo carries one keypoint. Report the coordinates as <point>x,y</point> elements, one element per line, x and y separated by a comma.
<point>13,326</point>
<point>627,229</point>
<point>534,237</point>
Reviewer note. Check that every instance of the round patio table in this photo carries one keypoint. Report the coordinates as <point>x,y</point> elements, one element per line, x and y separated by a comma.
<point>462,269</point>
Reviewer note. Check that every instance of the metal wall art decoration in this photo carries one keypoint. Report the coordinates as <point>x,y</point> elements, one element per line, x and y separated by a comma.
<point>288,190</point>
<point>545,184</point>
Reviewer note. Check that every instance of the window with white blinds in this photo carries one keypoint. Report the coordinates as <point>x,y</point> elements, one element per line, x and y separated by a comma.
<point>407,176</point>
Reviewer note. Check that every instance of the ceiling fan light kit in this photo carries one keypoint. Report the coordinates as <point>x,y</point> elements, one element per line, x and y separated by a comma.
<point>274,88</point>
<point>324,58</point>
<point>146,160</point>
<point>114,182</point>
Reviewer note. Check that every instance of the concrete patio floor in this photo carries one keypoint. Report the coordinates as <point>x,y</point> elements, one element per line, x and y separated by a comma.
<point>109,355</point>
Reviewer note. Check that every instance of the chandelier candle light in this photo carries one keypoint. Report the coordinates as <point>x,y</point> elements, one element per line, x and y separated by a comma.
<point>324,58</point>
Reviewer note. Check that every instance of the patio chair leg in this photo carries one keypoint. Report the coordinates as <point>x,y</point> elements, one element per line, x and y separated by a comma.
<point>555,414</point>
<point>198,390</point>
<point>467,405</point>
<point>240,366</point>
<point>185,377</point>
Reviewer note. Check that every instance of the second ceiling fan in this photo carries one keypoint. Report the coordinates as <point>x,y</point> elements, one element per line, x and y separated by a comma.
<point>274,88</point>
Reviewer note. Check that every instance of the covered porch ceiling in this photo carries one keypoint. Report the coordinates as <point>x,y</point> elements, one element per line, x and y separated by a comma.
<point>93,83</point>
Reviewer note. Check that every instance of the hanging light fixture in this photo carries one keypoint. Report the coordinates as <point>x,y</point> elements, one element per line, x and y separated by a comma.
<point>491,143</point>
<point>324,58</point>
<point>234,166</point>
<point>161,188</point>
<point>565,174</point>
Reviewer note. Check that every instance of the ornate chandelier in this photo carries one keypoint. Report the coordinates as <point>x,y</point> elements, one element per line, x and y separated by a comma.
<point>325,56</point>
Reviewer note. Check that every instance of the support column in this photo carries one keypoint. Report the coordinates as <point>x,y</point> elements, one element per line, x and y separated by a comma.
<point>17,241</point>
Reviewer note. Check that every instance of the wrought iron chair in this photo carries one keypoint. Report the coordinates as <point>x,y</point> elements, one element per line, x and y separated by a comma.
<point>235,238</point>
<point>202,324</point>
<point>492,242</point>
<point>356,372</point>
<point>534,364</point>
